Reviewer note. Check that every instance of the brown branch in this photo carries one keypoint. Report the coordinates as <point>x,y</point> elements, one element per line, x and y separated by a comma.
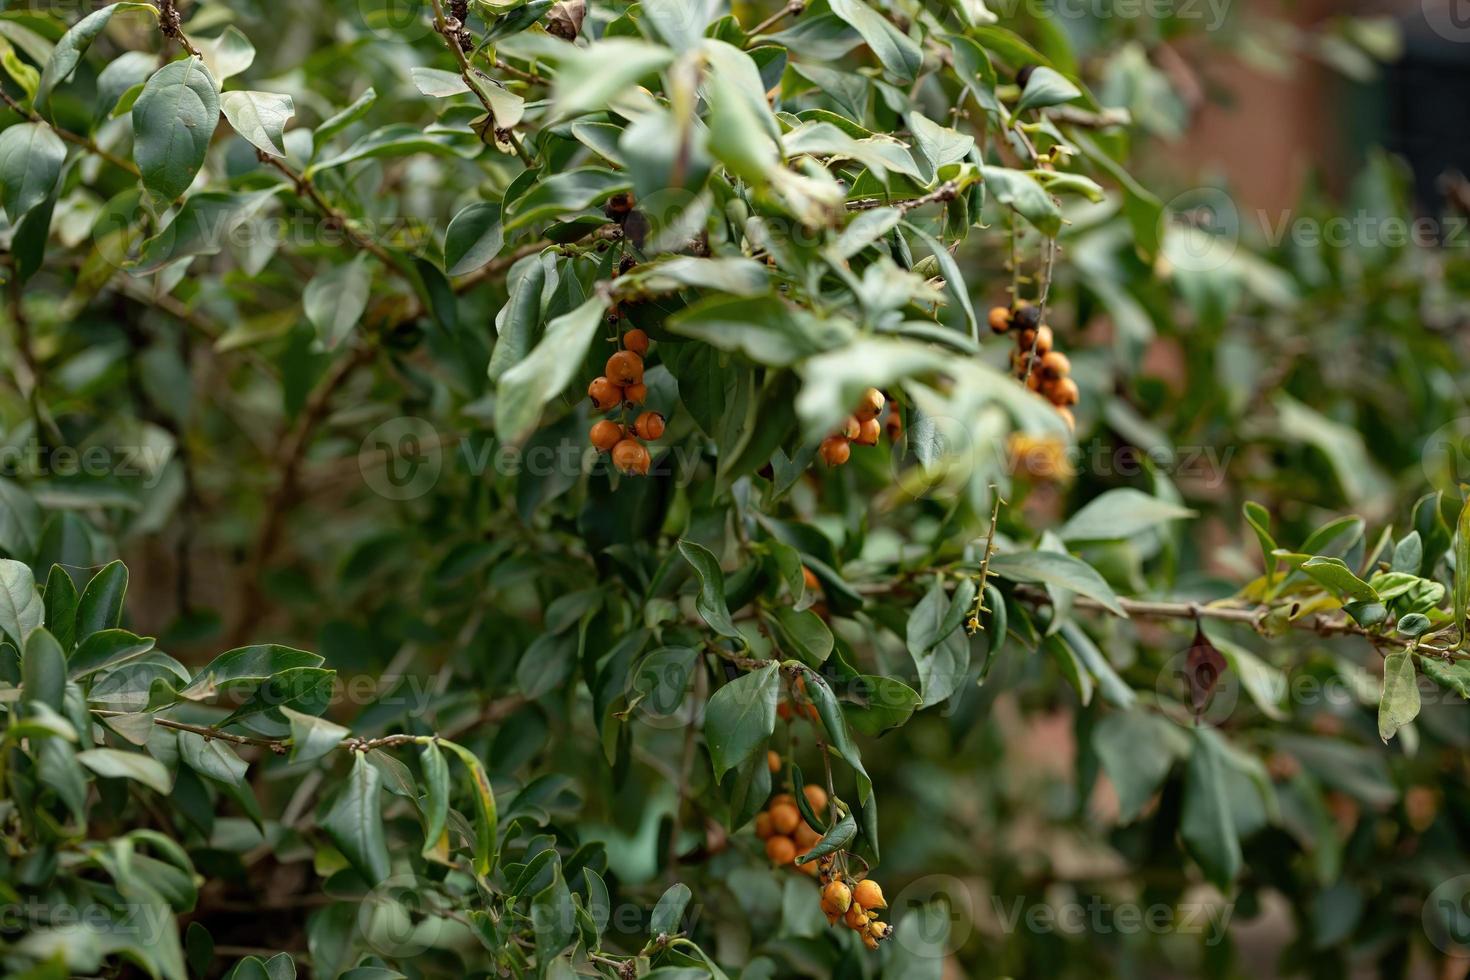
<point>791,9</point>
<point>944,192</point>
<point>306,188</point>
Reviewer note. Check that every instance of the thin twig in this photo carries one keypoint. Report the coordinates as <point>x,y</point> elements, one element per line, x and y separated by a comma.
<point>85,142</point>
<point>792,9</point>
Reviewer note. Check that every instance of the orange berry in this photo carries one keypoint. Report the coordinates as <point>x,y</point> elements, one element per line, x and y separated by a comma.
<point>809,578</point>
<point>1068,417</point>
<point>869,895</point>
<point>856,918</point>
<point>835,451</point>
<point>869,405</point>
<point>1043,339</point>
<point>1055,365</point>
<point>604,394</point>
<point>780,798</point>
<point>851,428</point>
<point>816,797</point>
<point>879,930</point>
<point>649,425</point>
<point>837,896</point>
<point>810,710</point>
<point>868,436</point>
<point>808,868</point>
<point>631,457</point>
<point>806,837</point>
<point>763,828</point>
<point>636,341</point>
<point>625,368</point>
<point>869,941</point>
<point>894,426</point>
<point>635,394</point>
<point>605,435</point>
<point>1000,319</point>
<point>773,761</point>
<point>785,817</point>
<point>1061,392</point>
<point>784,711</point>
<point>780,849</point>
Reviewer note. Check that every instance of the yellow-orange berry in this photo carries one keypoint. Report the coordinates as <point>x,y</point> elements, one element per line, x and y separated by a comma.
<point>806,837</point>
<point>851,428</point>
<point>763,828</point>
<point>1055,365</point>
<point>809,579</point>
<point>785,818</point>
<point>1000,319</point>
<point>773,761</point>
<point>781,850</point>
<point>816,797</point>
<point>869,895</point>
<point>868,435</point>
<point>894,426</point>
<point>837,897</point>
<point>624,368</point>
<point>869,405</point>
<point>856,918</point>
<point>869,941</point>
<point>808,868</point>
<point>1061,392</point>
<point>649,425</point>
<point>631,457</point>
<point>605,435</point>
<point>636,341</point>
<point>604,394</point>
<point>835,451</point>
<point>1068,418</point>
<point>635,394</point>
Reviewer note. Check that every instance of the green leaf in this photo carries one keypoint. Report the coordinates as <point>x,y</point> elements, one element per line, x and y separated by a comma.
<point>227,55</point>
<point>302,688</point>
<point>1059,570</point>
<point>335,299</point>
<point>954,279</point>
<point>106,648</point>
<point>527,386</point>
<point>74,43</point>
<point>486,827</point>
<point>740,717</point>
<point>101,604</point>
<point>805,633</point>
<point>711,599</point>
<point>1120,514</point>
<point>473,238</point>
<point>117,764</point>
<point>1414,624</point>
<point>212,757</point>
<point>837,731</point>
<point>562,193</point>
<point>838,838</point>
<point>402,140</point>
<point>43,670</point>
<point>1259,520</point>
<point>246,667</point>
<point>312,737</point>
<point>1018,189</point>
<point>553,919</point>
<point>260,117</point>
<point>1206,822</point>
<point>21,606</point>
<point>1334,574</point>
<point>1452,676</point>
<point>355,822</point>
<point>1399,703</point>
<point>1108,681</point>
<point>436,796</point>
<point>340,120</point>
<point>173,122</point>
<point>60,607</point>
<point>31,155</point>
<point>764,329</point>
<point>1137,749</point>
<point>896,50</point>
<point>1046,87</point>
<point>669,912</point>
<point>588,78</point>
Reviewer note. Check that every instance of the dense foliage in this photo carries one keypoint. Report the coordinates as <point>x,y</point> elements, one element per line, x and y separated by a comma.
<point>610,396</point>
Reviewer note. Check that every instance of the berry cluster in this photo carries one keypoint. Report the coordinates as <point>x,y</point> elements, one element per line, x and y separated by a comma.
<point>621,387</point>
<point>855,903</point>
<point>1035,361</point>
<point>801,702</point>
<point>863,428</point>
<point>787,835</point>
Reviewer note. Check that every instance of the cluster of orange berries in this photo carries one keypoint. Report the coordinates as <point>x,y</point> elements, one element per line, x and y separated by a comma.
<point>856,904</point>
<point>786,834</point>
<point>621,385</point>
<point>863,428</point>
<point>1044,369</point>
<point>802,703</point>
